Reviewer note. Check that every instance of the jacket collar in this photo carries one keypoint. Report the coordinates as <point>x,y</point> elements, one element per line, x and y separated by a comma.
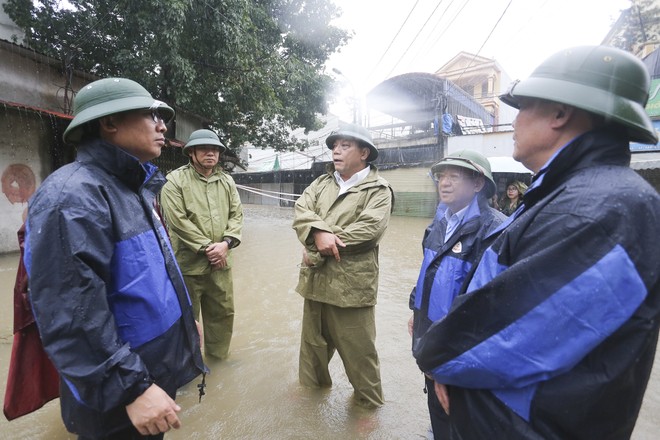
<point>594,148</point>
<point>117,162</point>
<point>216,174</point>
<point>474,209</point>
<point>370,180</point>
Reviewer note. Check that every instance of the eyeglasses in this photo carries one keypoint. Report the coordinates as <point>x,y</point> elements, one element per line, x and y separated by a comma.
<point>156,115</point>
<point>453,177</point>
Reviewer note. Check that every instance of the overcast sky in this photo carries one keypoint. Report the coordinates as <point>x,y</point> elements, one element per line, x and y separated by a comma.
<point>527,33</point>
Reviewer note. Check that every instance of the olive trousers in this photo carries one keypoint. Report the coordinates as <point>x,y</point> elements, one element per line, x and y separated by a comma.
<point>213,295</point>
<point>352,333</point>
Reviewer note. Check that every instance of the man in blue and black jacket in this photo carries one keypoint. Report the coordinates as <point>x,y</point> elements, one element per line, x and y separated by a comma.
<point>107,294</point>
<point>555,335</point>
<point>451,246</point>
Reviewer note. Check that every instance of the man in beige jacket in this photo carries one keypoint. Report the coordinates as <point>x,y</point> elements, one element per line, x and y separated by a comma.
<point>340,220</point>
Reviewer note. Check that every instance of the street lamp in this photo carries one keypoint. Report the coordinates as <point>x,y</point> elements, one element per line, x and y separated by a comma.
<point>357,113</point>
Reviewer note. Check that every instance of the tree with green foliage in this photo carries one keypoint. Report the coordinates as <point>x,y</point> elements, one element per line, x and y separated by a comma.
<point>252,68</point>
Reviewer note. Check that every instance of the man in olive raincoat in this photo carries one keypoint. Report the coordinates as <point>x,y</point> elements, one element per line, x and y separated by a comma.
<point>340,220</point>
<point>204,215</point>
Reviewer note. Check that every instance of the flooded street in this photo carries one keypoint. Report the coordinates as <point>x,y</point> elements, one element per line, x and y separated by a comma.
<point>255,393</point>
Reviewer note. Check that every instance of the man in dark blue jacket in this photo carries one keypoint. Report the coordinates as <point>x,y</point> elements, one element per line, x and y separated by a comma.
<point>556,333</point>
<point>451,246</point>
<point>108,297</point>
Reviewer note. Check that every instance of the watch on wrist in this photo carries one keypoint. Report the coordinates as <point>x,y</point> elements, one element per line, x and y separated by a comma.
<point>229,241</point>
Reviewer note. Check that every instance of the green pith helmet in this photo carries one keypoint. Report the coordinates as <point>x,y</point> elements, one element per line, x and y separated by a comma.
<point>109,96</point>
<point>473,161</point>
<point>203,137</point>
<point>360,134</point>
<point>599,79</point>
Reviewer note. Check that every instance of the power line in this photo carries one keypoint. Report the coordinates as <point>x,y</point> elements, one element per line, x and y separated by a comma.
<point>102,19</point>
<point>482,45</point>
<point>393,39</point>
<point>450,24</point>
<point>414,39</point>
<point>526,22</point>
<point>435,27</point>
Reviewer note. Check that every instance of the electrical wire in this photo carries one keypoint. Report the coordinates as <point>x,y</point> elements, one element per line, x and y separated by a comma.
<point>449,25</point>
<point>430,34</point>
<point>91,28</point>
<point>414,39</point>
<point>393,39</point>
<point>482,45</point>
<point>263,193</point>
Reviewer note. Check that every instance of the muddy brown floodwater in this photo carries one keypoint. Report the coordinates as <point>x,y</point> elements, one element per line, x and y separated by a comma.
<point>255,393</point>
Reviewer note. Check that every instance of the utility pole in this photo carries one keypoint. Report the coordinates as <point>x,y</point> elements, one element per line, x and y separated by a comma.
<point>357,112</point>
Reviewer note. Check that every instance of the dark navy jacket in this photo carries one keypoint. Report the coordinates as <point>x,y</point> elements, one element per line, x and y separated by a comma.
<point>109,300</point>
<point>556,335</point>
<point>446,265</point>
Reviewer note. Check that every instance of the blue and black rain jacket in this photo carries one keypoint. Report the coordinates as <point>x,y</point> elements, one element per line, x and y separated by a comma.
<point>108,297</point>
<point>446,265</point>
<point>556,333</point>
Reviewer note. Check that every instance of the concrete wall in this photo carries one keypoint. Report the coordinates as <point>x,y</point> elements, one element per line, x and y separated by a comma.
<point>415,194</point>
<point>28,146</point>
<point>268,198</point>
<point>24,163</point>
<point>489,144</point>
<point>32,79</point>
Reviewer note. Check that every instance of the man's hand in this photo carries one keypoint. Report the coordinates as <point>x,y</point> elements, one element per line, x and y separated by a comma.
<point>410,325</point>
<point>443,395</point>
<point>154,412</point>
<point>217,254</point>
<point>327,242</point>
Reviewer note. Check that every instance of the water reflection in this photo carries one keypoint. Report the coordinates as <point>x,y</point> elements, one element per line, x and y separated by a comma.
<point>255,393</point>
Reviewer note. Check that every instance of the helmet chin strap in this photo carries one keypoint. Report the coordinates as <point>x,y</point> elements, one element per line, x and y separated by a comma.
<point>198,166</point>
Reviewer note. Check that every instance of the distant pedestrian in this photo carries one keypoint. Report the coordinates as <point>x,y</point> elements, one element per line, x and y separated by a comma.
<point>204,215</point>
<point>514,197</point>
<point>340,219</point>
<point>106,292</point>
<point>555,335</point>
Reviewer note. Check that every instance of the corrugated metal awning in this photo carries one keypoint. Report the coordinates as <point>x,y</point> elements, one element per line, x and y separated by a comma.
<point>506,164</point>
<point>35,109</point>
<point>645,161</point>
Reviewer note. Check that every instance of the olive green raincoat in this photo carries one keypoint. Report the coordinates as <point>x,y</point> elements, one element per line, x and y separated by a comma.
<point>359,218</point>
<point>200,211</point>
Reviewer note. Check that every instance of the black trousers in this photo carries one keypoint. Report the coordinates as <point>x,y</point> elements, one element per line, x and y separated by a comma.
<point>439,418</point>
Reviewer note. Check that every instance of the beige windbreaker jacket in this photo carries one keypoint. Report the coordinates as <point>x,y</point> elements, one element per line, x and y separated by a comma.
<point>359,218</point>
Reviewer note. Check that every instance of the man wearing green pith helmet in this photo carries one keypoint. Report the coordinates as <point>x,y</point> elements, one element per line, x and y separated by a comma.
<point>107,294</point>
<point>340,219</point>
<point>553,336</point>
<point>204,214</point>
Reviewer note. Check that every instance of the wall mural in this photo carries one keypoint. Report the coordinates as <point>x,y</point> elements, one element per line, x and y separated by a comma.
<point>18,183</point>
